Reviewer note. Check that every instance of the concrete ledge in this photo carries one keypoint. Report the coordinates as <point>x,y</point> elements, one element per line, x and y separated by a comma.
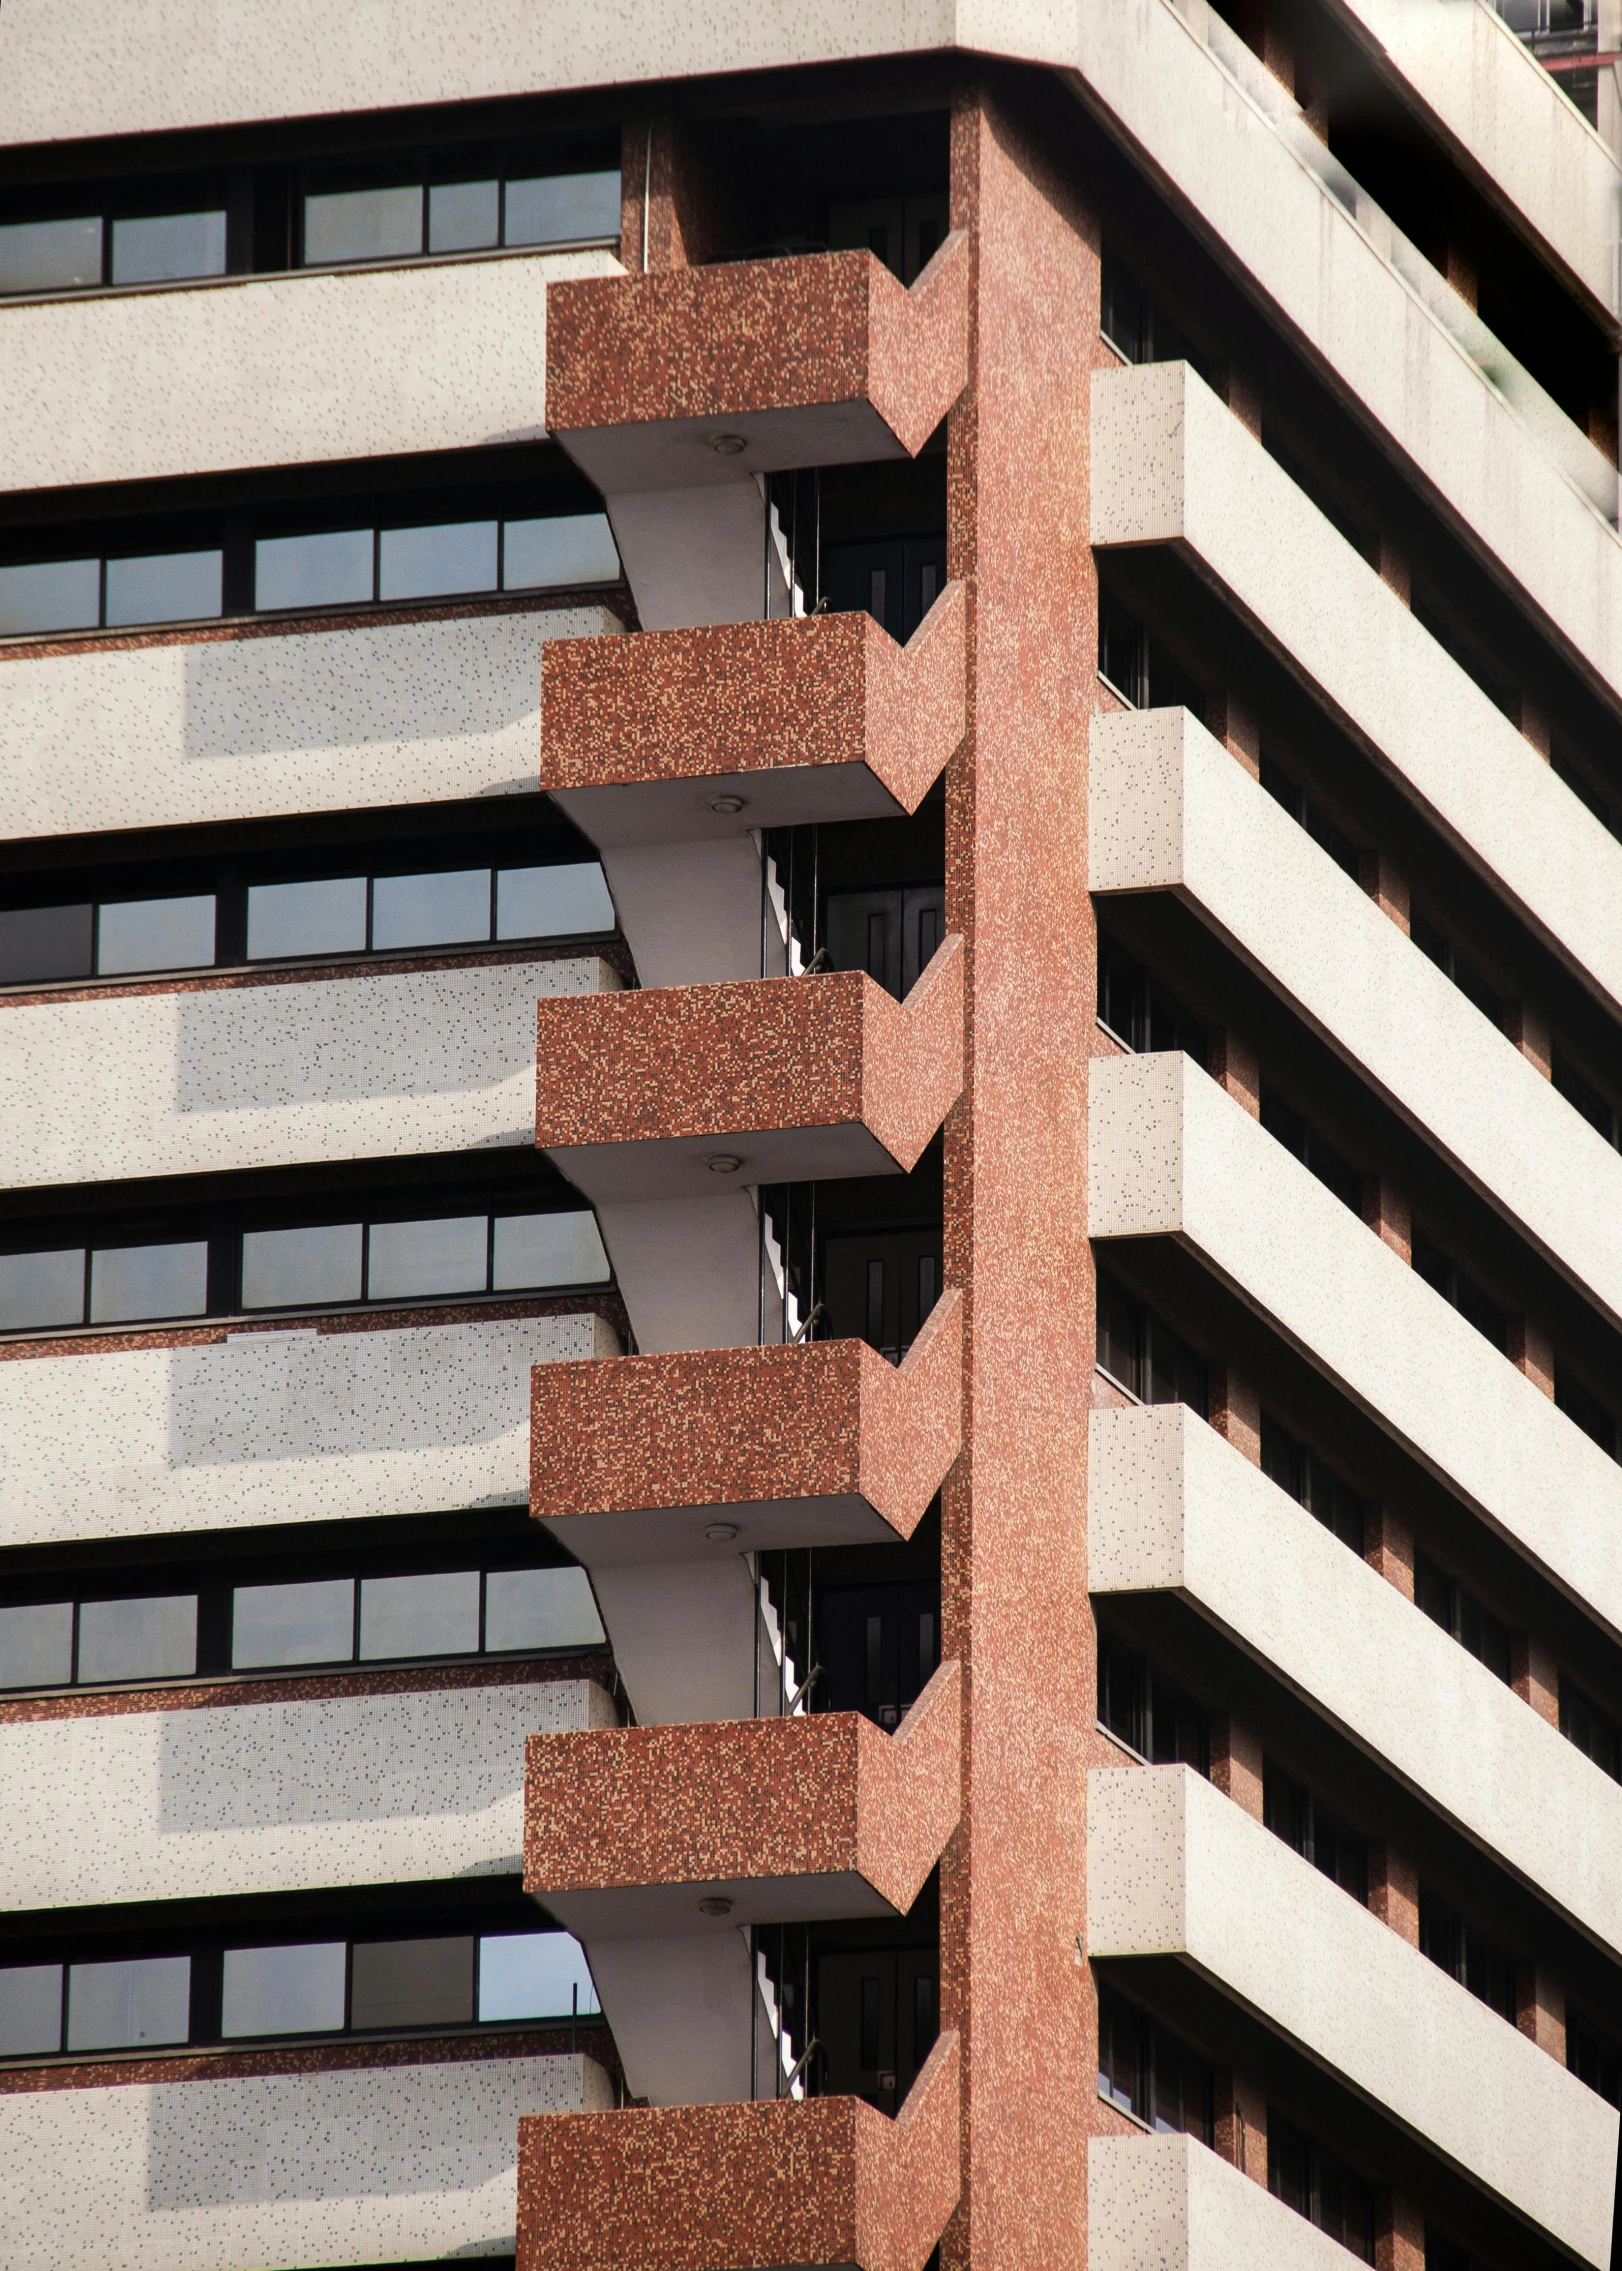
<point>1168,2204</point>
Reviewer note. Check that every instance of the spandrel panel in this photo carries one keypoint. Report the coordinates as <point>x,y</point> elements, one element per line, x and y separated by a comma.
<point>411,1983</point>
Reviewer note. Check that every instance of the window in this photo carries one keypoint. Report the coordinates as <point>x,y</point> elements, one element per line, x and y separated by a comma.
<point>1139,667</point>
<point>1587,1412</point>
<point>1143,1355</point>
<point>85,250</point>
<point>353,221</point>
<point>1442,2254</point>
<point>1457,1948</point>
<point>1437,947</point>
<point>1583,1097</point>
<point>1594,2058</point>
<point>1320,2187</point>
<point>1147,1712</point>
<point>1148,2073</point>
<point>896,580</point>
<point>1583,788</point>
<point>1308,815</point>
<point>1594,1732</point>
<point>1133,321</point>
<point>1311,1484</point>
<point>1136,1010</point>
<point>1312,1829</point>
<point>1461,1292</point>
<point>1316,1154</point>
<point>1462,1616</point>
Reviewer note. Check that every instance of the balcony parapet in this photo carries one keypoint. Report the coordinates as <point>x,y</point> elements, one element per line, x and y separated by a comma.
<point>638,1094</point>
<point>821,718</point>
<point>637,1458</point>
<point>820,2181</point>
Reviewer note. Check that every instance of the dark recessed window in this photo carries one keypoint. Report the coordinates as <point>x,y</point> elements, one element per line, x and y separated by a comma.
<point>1437,947</point>
<point>1585,1099</point>
<point>1147,1712</point>
<point>1145,2071</point>
<point>1594,2058</point>
<point>1588,1413</point>
<point>1134,321</point>
<point>1456,1947</point>
<point>345,222</point>
<point>1311,1484</point>
<point>1315,1831</point>
<point>1447,1603</point>
<point>1138,665</point>
<point>1315,1152</point>
<point>1308,815</point>
<point>1460,1291</point>
<point>1595,1733</point>
<point>1136,1010</point>
<point>1319,2185</point>
<point>1143,1355</point>
<point>1442,2254</point>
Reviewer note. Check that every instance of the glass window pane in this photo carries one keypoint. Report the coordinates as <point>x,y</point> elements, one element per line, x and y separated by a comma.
<point>443,1256</point>
<point>464,216</point>
<point>50,595</point>
<point>420,1616</point>
<point>45,942</point>
<point>552,902</point>
<point>548,1249</point>
<point>423,563</point>
<point>50,256</point>
<point>293,1624</point>
<point>284,1990</point>
<point>168,245</point>
<point>138,1640</point>
<point>297,1269</point>
<point>450,909</point>
<point>164,587</point>
<point>540,1608</point>
<point>30,2009</point>
<point>36,1644</point>
<point>564,208</point>
<point>313,571</point>
<point>117,2006</point>
<point>362,224</point>
<point>128,1283</point>
<point>534,1975</point>
<point>37,1290</point>
<point>154,934</point>
<point>575,549</point>
<point>411,1983</point>
<point>307,918</point>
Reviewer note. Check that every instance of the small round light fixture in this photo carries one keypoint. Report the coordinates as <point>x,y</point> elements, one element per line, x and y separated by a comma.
<point>724,1163</point>
<point>721,1533</point>
<point>729,445</point>
<point>726,805</point>
<point>716,1905</point>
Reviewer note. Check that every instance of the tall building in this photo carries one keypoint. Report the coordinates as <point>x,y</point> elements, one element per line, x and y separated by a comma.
<point>810,1089</point>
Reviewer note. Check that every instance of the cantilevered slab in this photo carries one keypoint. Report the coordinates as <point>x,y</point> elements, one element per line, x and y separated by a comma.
<point>787,1080</point>
<point>636,1458</point>
<point>644,739</point>
<point>627,1830</point>
<point>653,382</point>
<point>822,2181</point>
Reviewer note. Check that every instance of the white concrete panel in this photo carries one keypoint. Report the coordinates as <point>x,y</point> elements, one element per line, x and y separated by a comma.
<point>698,555</point>
<point>378,2165</point>
<point>1173,1508</point>
<point>680,2012</point>
<point>1172,465</point>
<point>688,1270</point>
<point>1172,811</point>
<point>1175,1868</point>
<point>1168,2204</point>
<point>294,721</point>
<point>275,1797</point>
<point>379,1066</point>
<point>1170,1155</point>
<point>683,1635</point>
<point>282,1426</point>
<point>691,913</point>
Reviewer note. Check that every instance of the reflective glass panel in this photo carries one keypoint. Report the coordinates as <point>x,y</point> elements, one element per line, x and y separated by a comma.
<point>299,1269</point>
<point>50,256</point>
<point>328,917</point>
<point>548,1249</point>
<point>463,216</point>
<point>138,1640</point>
<point>36,1644</point>
<point>534,1975</point>
<point>135,1282</point>
<point>576,549</point>
<point>293,1624</point>
<point>411,1983</point>
<point>50,595</point>
<point>420,1616</point>
<point>37,1290</point>
<point>30,2009</point>
<point>313,571</point>
<point>165,246</point>
<point>552,902</point>
<point>45,942</point>
<point>540,1608</point>
<point>450,909</point>
<point>564,208</point>
<point>154,934</point>
<point>424,563</point>
<point>284,1990</point>
<point>362,224</point>
<point>164,587</point>
<point>443,1256</point>
<point>118,2006</point>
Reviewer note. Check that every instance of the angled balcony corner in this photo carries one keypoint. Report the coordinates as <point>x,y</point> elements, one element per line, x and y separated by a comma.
<point>635,1459</point>
<point>819,2181</point>
<point>820,718</point>
<point>792,1079</point>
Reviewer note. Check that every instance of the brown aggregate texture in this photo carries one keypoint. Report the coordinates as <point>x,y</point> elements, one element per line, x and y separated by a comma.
<point>311,2058</point>
<point>753,1055</point>
<point>742,2187</point>
<point>212,1332</point>
<point>745,697</point>
<point>758,335</point>
<point>735,1426</point>
<point>746,1799</point>
<point>319,1687</point>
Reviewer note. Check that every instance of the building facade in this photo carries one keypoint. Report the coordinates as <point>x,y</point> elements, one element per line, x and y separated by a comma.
<point>845,1485</point>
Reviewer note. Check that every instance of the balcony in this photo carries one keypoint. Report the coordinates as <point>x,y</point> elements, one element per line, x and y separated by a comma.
<point>1170,2202</point>
<point>787,1079</point>
<point>680,735</point>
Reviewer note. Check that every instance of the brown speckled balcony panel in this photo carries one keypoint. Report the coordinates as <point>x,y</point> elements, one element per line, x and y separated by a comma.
<point>635,1458</point>
<point>792,1079</point>
<point>827,2181</point>
<point>627,1830</point>
<point>822,718</point>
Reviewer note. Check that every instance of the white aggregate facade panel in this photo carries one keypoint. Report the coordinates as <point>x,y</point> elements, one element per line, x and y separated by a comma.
<point>1173,1508</point>
<point>378,2165</point>
<point>1171,810</point>
<point>297,721</point>
<point>287,1426</point>
<point>1169,2204</point>
<point>1170,1155</point>
<point>212,378</point>
<point>1172,465</point>
<point>1175,1868</point>
<point>385,1065</point>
